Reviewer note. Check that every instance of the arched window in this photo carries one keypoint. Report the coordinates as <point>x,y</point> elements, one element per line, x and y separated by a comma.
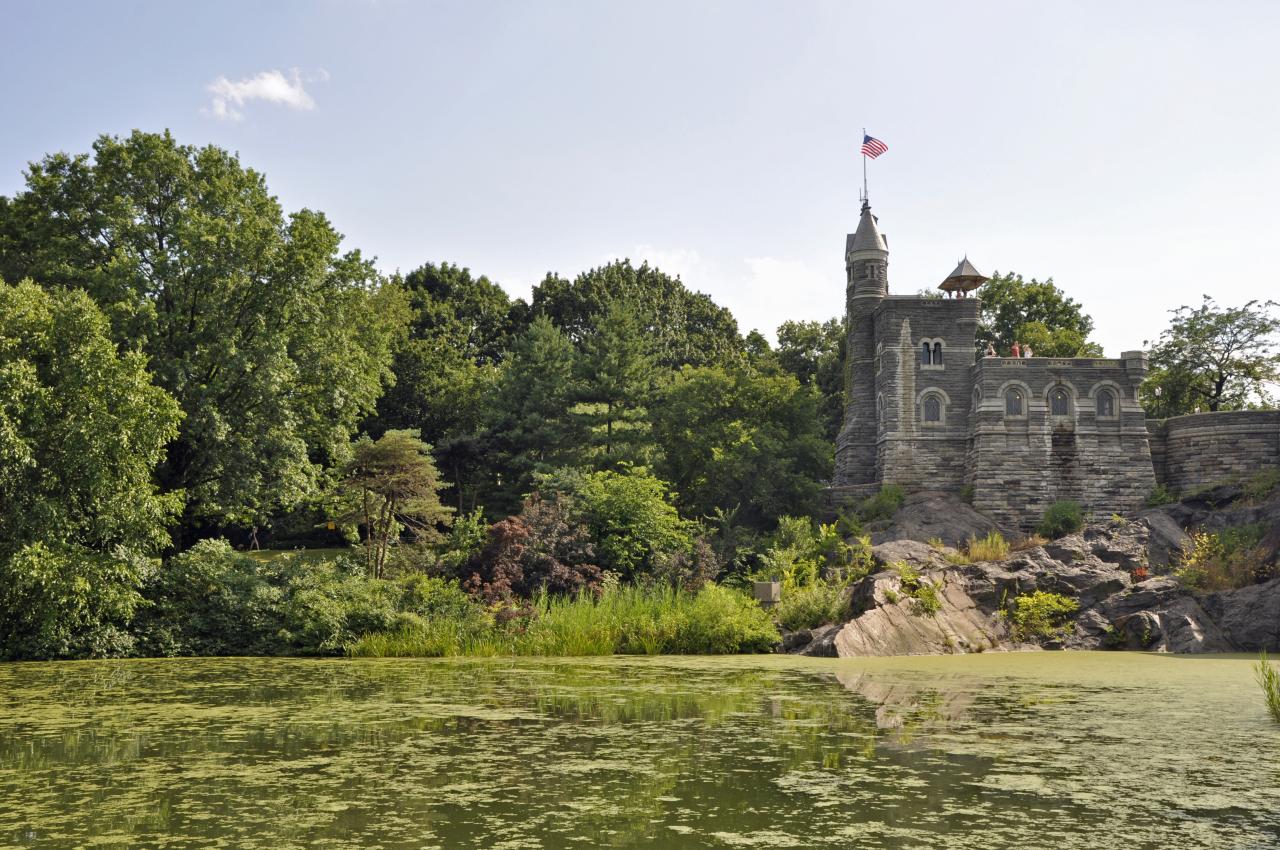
<point>932,409</point>
<point>1106,404</point>
<point>925,358</point>
<point>937,354</point>
<point>1059,402</point>
<point>1013,403</point>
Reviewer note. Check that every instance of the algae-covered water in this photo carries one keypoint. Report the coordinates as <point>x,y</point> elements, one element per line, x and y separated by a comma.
<point>1055,750</point>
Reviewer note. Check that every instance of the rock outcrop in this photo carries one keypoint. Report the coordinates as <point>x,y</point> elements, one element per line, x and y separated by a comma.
<point>1104,569</point>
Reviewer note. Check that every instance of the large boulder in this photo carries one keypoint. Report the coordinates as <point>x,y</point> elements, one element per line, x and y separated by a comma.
<point>930,515</point>
<point>1250,616</point>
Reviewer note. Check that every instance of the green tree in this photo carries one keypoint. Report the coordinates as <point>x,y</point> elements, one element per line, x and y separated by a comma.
<point>530,429</point>
<point>392,486</point>
<point>680,326</point>
<point>274,343</point>
<point>734,438</point>
<point>1033,311</point>
<point>814,353</point>
<point>1215,358</point>
<point>82,429</point>
<point>630,514</point>
<point>616,378</point>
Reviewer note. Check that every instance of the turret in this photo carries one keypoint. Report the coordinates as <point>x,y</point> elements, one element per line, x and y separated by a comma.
<point>866,274</point>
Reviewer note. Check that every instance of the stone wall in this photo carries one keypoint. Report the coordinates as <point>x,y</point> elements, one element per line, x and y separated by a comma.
<point>912,451</point>
<point>1021,463</point>
<point>1206,448</point>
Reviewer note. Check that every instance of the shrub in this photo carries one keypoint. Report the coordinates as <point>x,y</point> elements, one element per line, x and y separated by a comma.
<point>1259,486</point>
<point>1269,680</point>
<point>1040,614</point>
<point>1060,519</point>
<point>883,505</point>
<point>1225,560</point>
<point>818,604</point>
<point>924,593</point>
<point>993,547</point>
<point>68,602</point>
<point>1160,496</point>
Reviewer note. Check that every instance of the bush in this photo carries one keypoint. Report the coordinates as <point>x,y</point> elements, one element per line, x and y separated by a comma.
<point>1062,518</point>
<point>924,593</point>
<point>1259,486</point>
<point>1225,560</point>
<point>1160,496</point>
<point>1269,680</point>
<point>883,505</point>
<point>993,547</point>
<point>1041,614</point>
<point>212,600</point>
<point>809,607</point>
<point>67,602</point>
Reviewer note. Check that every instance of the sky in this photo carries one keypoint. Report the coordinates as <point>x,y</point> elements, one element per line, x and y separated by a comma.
<point>1128,150</point>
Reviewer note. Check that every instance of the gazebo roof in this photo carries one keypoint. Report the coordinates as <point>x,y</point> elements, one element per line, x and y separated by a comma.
<point>964,278</point>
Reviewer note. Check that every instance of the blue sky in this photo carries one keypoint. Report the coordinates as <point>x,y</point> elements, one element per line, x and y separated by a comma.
<point>1128,150</point>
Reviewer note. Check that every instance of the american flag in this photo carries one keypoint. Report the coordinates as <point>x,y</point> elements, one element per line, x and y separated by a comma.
<point>872,147</point>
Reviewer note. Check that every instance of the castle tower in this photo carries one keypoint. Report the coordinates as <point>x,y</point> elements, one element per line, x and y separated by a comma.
<point>866,267</point>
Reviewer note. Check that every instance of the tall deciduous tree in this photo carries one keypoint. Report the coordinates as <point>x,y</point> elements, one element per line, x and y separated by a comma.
<point>734,438</point>
<point>1033,311</point>
<point>82,428</point>
<point>274,343</point>
<point>814,353</point>
<point>1215,358</point>
<point>681,326</point>
<point>392,486</point>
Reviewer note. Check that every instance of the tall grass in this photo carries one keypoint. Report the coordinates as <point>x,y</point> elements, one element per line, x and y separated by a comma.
<point>629,620</point>
<point>1269,679</point>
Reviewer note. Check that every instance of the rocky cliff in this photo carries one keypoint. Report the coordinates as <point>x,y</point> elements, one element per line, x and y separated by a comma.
<point>1112,571</point>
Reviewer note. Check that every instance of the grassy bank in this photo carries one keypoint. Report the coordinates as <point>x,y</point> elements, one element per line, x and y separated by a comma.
<point>623,621</point>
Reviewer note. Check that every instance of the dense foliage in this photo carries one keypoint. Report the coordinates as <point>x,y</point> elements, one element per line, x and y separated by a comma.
<point>1215,358</point>
<point>185,365</point>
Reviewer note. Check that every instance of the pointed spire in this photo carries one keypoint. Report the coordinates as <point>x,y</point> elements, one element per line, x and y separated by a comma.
<point>867,237</point>
<point>964,278</point>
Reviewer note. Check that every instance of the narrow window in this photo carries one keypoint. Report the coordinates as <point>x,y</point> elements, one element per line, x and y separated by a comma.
<point>937,354</point>
<point>1106,404</point>
<point>1013,403</point>
<point>1059,403</point>
<point>924,355</point>
<point>932,409</point>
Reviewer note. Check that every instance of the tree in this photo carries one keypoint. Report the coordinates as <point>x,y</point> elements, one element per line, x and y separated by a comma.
<point>734,438</point>
<point>392,485</point>
<point>274,344</point>
<point>814,353</point>
<point>82,429</point>
<point>530,428</point>
<point>544,548</point>
<point>1216,358</point>
<point>678,325</point>
<point>1036,312</point>
<point>616,376</point>
<point>630,514</point>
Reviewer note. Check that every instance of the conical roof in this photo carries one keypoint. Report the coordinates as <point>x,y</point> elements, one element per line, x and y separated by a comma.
<point>867,237</point>
<point>964,278</point>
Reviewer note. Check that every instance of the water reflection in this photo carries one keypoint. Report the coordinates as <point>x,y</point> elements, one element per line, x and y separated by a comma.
<point>1012,751</point>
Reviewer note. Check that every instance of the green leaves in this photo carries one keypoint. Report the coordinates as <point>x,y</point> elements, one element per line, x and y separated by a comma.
<point>1033,311</point>
<point>1214,358</point>
<point>274,344</point>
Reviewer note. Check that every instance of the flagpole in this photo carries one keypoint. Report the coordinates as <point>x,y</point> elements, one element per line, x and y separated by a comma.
<point>864,166</point>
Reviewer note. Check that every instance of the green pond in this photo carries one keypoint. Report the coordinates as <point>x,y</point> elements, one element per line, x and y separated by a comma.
<point>1028,750</point>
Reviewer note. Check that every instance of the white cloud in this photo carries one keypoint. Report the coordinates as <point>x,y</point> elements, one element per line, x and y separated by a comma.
<point>270,86</point>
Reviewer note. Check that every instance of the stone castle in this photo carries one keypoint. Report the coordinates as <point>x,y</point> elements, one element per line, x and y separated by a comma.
<point>924,411</point>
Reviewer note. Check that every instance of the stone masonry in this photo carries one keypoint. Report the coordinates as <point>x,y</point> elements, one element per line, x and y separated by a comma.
<point>924,412</point>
